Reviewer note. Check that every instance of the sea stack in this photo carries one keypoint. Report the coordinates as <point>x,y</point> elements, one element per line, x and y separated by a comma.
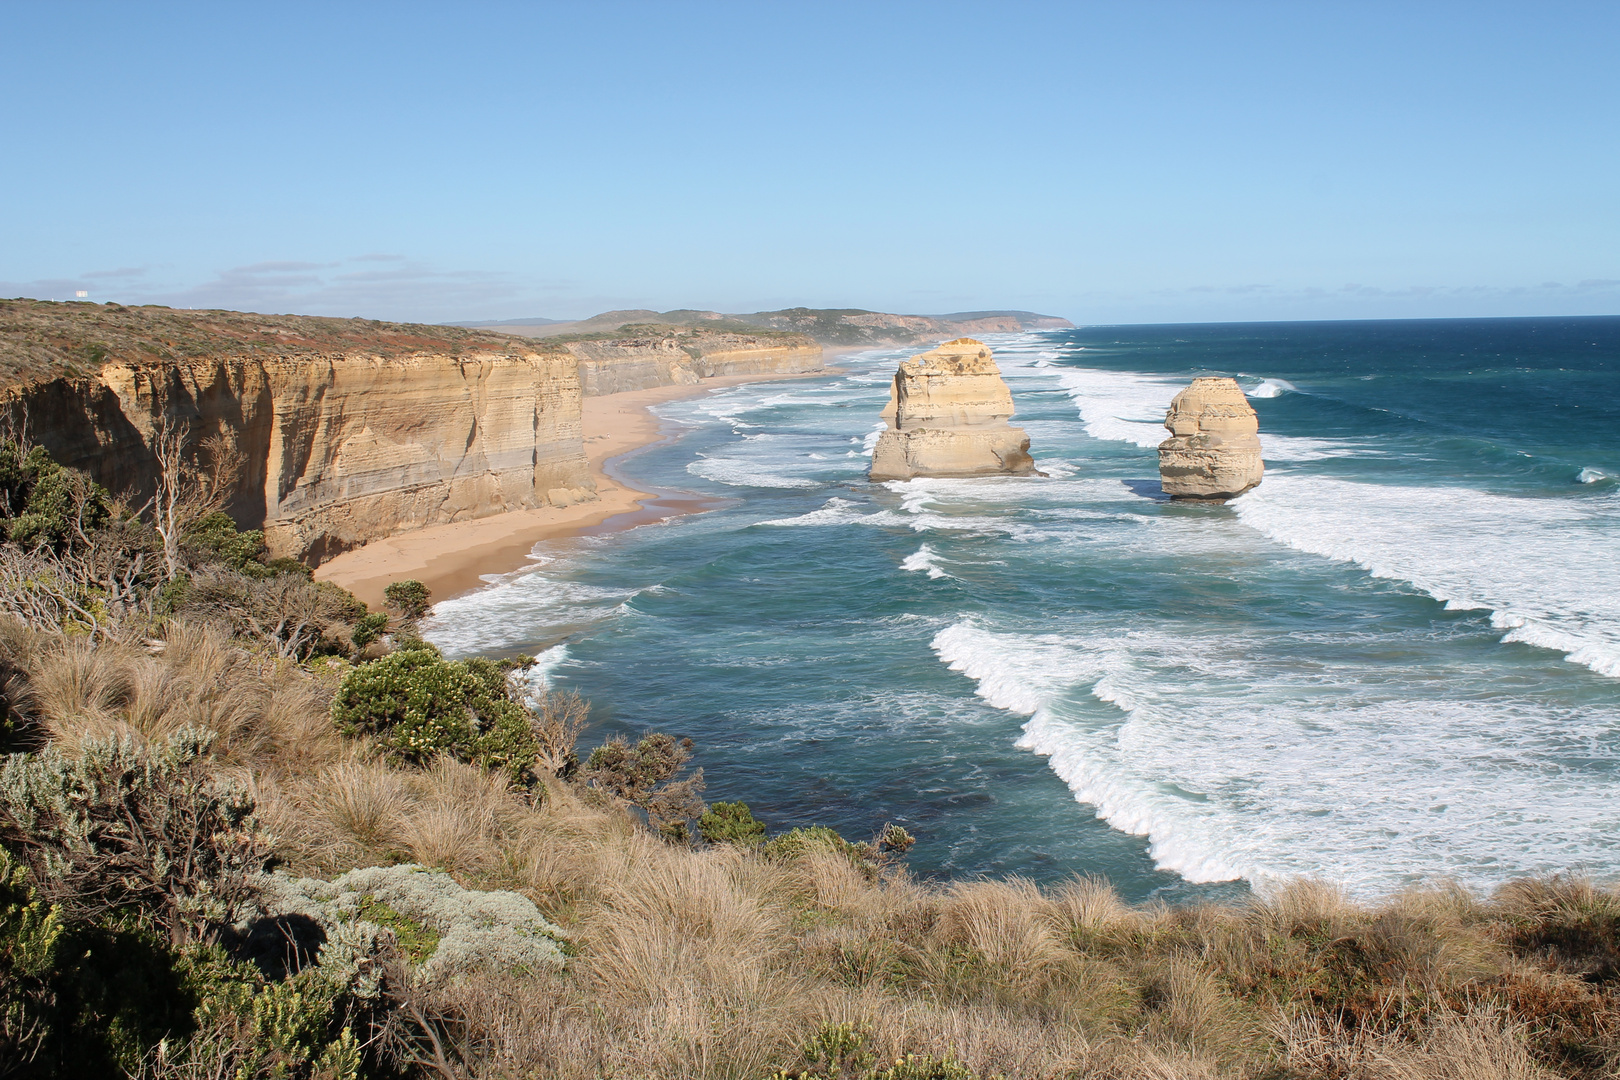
<point>1214,447</point>
<point>947,414</point>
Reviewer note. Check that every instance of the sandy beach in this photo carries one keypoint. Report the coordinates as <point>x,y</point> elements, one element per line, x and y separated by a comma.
<point>453,559</point>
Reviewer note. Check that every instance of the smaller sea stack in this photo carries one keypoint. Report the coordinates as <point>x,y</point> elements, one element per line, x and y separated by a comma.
<point>947,414</point>
<point>1214,447</point>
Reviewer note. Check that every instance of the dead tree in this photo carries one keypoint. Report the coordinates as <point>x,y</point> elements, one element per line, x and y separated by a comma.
<point>185,492</point>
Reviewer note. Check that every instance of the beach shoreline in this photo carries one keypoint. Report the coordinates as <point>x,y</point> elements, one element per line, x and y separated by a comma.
<point>455,558</point>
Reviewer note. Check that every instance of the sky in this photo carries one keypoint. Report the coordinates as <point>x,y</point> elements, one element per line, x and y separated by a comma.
<point>1114,162</point>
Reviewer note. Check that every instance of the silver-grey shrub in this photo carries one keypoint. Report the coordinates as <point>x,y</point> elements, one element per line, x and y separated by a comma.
<point>476,931</point>
<point>146,829</point>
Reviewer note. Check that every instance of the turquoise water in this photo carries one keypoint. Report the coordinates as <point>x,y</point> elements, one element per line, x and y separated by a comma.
<point>1396,659</point>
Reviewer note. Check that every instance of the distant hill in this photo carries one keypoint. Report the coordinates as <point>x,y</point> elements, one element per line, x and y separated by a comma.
<point>829,326</point>
<point>536,321</point>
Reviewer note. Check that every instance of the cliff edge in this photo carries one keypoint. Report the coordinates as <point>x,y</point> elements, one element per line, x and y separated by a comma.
<point>349,430</point>
<point>947,415</point>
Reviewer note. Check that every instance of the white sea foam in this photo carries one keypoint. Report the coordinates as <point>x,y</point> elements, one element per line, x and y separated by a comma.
<point>1592,476</point>
<point>1124,407</point>
<point>1235,766</point>
<point>537,679</point>
<point>1549,569</point>
<point>926,559</point>
<point>744,472</point>
<point>1270,388</point>
<point>481,621</point>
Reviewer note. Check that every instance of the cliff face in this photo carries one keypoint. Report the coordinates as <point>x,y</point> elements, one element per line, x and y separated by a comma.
<point>677,358</point>
<point>947,416</point>
<point>339,449</point>
<point>1214,447</point>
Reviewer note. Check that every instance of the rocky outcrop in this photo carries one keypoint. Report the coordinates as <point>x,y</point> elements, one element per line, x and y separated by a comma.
<point>947,415</point>
<point>638,362</point>
<point>340,449</point>
<point>1214,447</point>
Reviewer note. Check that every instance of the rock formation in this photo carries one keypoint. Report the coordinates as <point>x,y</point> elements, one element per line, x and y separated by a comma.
<point>350,430</point>
<point>639,361</point>
<point>947,416</point>
<point>1214,447</point>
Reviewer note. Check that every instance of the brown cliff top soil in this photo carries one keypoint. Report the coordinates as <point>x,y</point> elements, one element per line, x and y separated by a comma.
<point>42,339</point>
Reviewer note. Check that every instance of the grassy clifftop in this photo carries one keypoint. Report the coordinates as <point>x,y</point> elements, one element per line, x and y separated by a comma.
<point>42,339</point>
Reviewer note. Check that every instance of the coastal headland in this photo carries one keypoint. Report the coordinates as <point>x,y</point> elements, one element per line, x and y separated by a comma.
<point>377,451</point>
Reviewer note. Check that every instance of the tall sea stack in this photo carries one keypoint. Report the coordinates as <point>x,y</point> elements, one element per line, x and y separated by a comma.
<point>947,414</point>
<point>1214,447</point>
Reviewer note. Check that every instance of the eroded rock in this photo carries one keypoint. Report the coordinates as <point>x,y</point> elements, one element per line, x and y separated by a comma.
<point>947,414</point>
<point>1214,447</point>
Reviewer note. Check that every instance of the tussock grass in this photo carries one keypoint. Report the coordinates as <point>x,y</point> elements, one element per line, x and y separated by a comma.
<point>720,961</point>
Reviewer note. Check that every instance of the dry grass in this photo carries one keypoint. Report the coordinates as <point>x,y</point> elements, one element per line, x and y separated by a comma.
<point>719,962</point>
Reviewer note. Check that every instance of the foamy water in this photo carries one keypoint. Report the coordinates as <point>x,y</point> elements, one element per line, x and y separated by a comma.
<point>1396,659</point>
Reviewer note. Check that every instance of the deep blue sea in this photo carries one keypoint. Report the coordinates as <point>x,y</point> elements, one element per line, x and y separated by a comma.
<point>1397,659</point>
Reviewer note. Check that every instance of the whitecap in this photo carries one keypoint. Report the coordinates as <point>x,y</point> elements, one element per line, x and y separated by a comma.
<point>1592,476</point>
<point>1237,767</point>
<point>1548,569</point>
<point>924,559</point>
<point>1271,388</point>
<point>740,472</point>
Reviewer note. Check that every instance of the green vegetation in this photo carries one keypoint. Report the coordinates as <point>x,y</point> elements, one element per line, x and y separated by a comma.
<point>731,823</point>
<point>417,705</point>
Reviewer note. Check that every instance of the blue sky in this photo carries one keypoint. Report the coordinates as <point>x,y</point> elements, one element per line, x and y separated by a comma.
<point>1110,162</point>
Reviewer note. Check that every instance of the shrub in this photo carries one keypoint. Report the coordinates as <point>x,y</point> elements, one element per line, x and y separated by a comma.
<point>46,504</point>
<point>418,705</point>
<point>31,953</point>
<point>216,538</point>
<point>870,857</point>
<point>369,629</point>
<point>446,930</point>
<point>285,613</point>
<point>408,598</point>
<point>143,830</point>
<point>731,823</point>
<point>648,775</point>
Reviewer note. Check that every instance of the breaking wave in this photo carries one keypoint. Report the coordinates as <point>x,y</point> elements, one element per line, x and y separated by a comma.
<point>1547,569</point>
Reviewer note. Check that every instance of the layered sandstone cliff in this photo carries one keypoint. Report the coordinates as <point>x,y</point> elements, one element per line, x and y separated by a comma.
<point>947,415</point>
<point>1214,447</point>
<point>348,433</point>
<point>638,361</point>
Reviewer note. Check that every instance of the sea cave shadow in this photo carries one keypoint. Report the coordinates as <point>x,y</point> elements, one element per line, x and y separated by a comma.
<point>1147,489</point>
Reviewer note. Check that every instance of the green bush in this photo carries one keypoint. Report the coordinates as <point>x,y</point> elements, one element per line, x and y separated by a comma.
<point>840,1052</point>
<point>44,503</point>
<point>419,705</point>
<point>731,823</point>
<point>369,629</point>
<point>144,831</point>
<point>648,776</point>
<point>871,857</point>
<point>31,953</point>
<point>216,538</point>
<point>408,598</point>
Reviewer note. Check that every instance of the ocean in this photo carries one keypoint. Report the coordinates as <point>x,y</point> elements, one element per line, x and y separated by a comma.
<point>1396,660</point>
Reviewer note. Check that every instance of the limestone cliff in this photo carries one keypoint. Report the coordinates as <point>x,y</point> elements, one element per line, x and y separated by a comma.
<point>670,356</point>
<point>1214,447</point>
<point>348,433</point>
<point>947,415</point>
